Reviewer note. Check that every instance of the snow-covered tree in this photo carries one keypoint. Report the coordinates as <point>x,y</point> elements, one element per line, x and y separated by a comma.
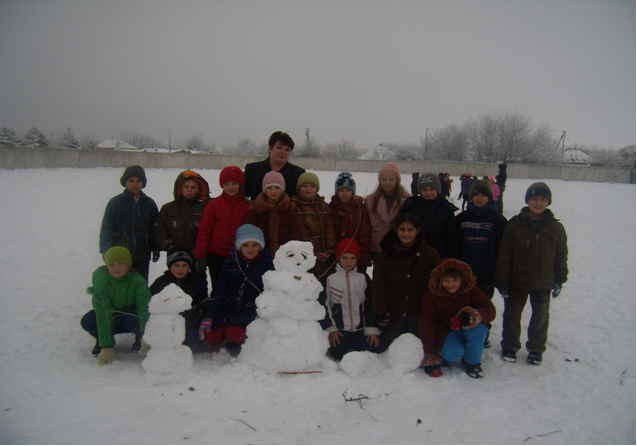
<point>88,142</point>
<point>69,141</point>
<point>8,138</point>
<point>35,138</point>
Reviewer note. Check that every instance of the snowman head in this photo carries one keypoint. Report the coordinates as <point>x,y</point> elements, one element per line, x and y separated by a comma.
<point>295,256</point>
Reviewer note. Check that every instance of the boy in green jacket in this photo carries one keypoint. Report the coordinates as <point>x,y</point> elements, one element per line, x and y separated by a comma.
<point>120,304</point>
<point>532,261</point>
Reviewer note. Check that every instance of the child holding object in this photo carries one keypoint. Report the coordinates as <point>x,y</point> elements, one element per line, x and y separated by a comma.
<point>120,304</point>
<point>347,298</point>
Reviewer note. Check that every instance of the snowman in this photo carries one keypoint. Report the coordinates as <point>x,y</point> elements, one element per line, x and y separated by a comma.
<point>168,361</point>
<point>287,338</point>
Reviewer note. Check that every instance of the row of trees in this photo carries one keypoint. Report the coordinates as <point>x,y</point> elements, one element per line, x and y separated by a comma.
<point>35,138</point>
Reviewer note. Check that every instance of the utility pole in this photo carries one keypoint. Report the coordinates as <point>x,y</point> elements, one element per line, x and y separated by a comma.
<point>169,146</point>
<point>307,137</point>
<point>426,136</point>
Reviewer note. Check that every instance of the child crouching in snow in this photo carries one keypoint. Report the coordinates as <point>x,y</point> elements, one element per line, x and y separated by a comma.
<point>232,307</point>
<point>454,318</point>
<point>347,296</point>
<point>179,268</point>
<point>120,304</point>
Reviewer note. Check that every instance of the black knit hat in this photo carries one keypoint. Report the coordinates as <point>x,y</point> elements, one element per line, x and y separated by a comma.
<point>178,255</point>
<point>481,186</point>
<point>133,171</point>
<point>539,189</point>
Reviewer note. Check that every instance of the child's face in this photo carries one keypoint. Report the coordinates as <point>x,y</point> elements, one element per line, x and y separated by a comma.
<point>348,261</point>
<point>249,250</point>
<point>273,193</point>
<point>231,188</point>
<point>537,206</point>
<point>345,194</point>
<point>480,199</point>
<point>407,233</point>
<point>118,270</point>
<point>134,185</point>
<point>179,269</point>
<point>451,284</point>
<point>189,189</point>
<point>428,193</point>
<point>308,191</point>
<point>388,182</point>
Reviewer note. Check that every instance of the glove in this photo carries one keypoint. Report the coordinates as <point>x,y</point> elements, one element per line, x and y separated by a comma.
<point>106,356</point>
<point>144,349</point>
<point>204,328</point>
<point>503,293</point>
<point>455,324</point>
<point>155,256</point>
<point>557,290</point>
<point>200,266</point>
<point>382,319</point>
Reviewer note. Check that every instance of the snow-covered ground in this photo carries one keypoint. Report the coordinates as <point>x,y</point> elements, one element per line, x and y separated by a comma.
<point>52,391</point>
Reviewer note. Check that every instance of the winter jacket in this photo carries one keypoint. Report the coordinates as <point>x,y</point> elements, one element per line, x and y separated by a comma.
<point>351,220</point>
<point>347,296</point>
<point>129,223</point>
<point>480,232</point>
<point>193,285</point>
<point>316,218</point>
<point>444,186</point>
<point>465,186</point>
<point>112,296</point>
<point>218,229</point>
<point>438,223</point>
<point>532,258</point>
<point>279,223</point>
<point>382,220</point>
<point>178,221</point>
<point>240,282</point>
<point>400,280</point>
<point>496,191</point>
<point>501,177</point>
<point>439,307</point>
<point>254,173</point>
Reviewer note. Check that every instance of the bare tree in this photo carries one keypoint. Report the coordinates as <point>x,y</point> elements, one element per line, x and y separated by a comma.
<point>310,149</point>
<point>140,140</point>
<point>542,147</point>
<point>345,149</point>
<point>515,131</point>
<point>628,155</point>
<point>483,134</point>
<point>243,147</point>
<point>196,143</point>
<point>88,142</point>
<point>405,152</point>
<point>449,143</point>
<point>379,152</point>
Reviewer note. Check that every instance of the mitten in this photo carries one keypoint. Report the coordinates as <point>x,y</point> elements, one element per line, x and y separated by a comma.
<point>503,293</point>
<point>557,290</point>
<point>106,356</point>
<point>465,319</point>
<point>200,266</point>
<point>469,317</point>
<point>455,323</point>
<point>144,349</point>
<point>204,328</point>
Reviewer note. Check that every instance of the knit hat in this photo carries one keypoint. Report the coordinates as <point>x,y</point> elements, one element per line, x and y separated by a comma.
<point>491,179</point>
<point>481,186</point>
<point>348,245</point>
<point>118,254</point>
<point>389,168</point>
<point>429,179</point>
<point>344,179</point>
<point>231,174</point>
<point>178,255</point>
<point>273,178</point>
<point>539,189</point>
<point>249,233</point>
<point>308,177</point>
<point>133,171</point>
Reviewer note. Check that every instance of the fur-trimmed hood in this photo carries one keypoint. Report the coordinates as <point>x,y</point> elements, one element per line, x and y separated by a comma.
<point>444,265</point>
<point>204,189</point>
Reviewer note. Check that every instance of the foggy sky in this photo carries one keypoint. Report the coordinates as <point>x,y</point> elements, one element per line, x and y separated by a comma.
<point>368,71</point>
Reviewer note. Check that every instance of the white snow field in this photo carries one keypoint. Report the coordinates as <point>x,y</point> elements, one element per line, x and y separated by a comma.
<point>52,391</point>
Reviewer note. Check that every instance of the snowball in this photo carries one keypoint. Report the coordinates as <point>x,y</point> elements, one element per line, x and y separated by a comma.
<point>405,353</point>
<point>362,363</point>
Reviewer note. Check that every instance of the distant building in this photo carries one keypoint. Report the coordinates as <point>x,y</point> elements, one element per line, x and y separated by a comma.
<point>115,144</point>
<point>576,156</point>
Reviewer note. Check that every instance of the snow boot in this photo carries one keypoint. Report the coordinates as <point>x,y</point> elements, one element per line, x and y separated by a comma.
<point>473,370</point>
<point>433,370</point>
<point>97,349</point>
<point>534,358</point>
<point>487,343</point>
<point>509,355</point>
<point>137,344</point>
<point>233,348</point>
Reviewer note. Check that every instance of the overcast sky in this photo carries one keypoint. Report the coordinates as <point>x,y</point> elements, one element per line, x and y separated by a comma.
<point>369,71</point>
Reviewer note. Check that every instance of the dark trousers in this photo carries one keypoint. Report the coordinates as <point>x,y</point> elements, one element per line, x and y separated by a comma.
<point>215,263</point>
<point>124,323</point>
<point>142,267</point>
<point>355,341</point>
<point>538,326</point>
<point>500,204</point>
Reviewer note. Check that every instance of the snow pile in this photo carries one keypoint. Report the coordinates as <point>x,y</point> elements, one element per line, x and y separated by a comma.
<point>286,337</point>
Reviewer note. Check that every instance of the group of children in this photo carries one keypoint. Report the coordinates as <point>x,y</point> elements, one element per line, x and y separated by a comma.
<point>434,272</point>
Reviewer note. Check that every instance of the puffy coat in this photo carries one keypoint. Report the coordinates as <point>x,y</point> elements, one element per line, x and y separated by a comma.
<point>532,258</point>
<point>254,173</point>
<point>438,223</point>
<point>381,220</point>
<point>400,280</point>
<point>129,223</point>
<point>112,296</point>
<point>439,307</point>
<point>218,229</point>
<point>240,282</point>
<point>351,220</point>
<point>193,285</point>
<point>279,223</point>
<point>178,222</point>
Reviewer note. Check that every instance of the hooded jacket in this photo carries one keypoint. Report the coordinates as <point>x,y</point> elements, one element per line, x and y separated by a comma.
<point>351,220</point>
<point>439,307</point>
<point>438,223</point>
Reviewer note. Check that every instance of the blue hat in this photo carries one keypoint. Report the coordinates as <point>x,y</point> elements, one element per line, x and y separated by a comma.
<point>344,179</point>
<point>249,233</point>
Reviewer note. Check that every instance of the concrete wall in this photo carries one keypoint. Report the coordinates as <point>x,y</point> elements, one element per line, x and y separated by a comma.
<point>31,157</point>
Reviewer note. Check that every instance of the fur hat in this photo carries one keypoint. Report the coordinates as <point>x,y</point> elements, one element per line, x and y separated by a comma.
<point>538,189</point>
<point>118,254</point>
<point>389,168</point>
<point>348,245</point>
<point>231,174</point>
<point>178,255</point>
<point>249,233</point>
<point>481,186</point>
<point>344,179</point>
<point>273,178</point>
<point>308,177</point>
<point>429,179</point>
<point>133,171</point>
